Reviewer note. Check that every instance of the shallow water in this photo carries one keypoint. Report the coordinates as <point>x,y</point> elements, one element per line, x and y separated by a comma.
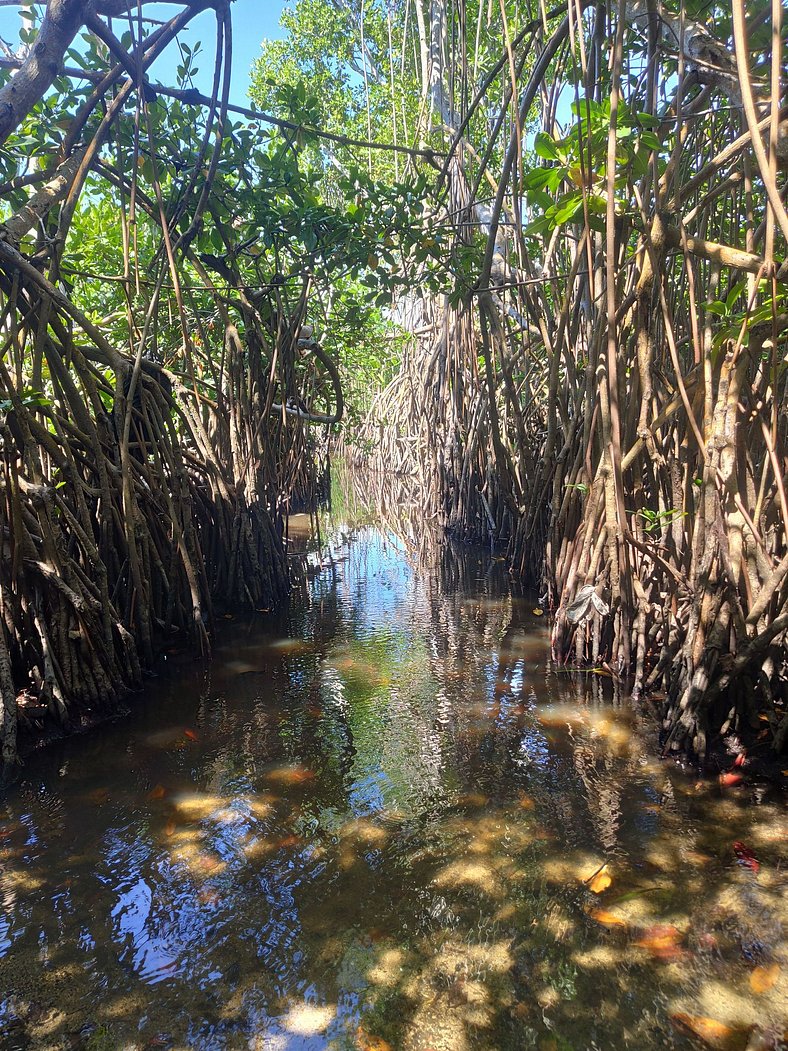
<point>379,821</point>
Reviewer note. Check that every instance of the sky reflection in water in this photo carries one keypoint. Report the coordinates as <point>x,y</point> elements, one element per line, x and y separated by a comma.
<point>381,821</point>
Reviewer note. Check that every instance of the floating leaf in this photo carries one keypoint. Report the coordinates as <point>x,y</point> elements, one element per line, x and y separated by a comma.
<point>290,775</point>
<point>709,1030</point>
<point>661,941</point>
<point>538,612</point>
<point>600,881</point>
<point>607,919</point>
<point>159,792</point>
<point>191,734</point>
<point>745,856</point>
<point>633,895</point>
<point>764,977</point>
<point>730,779</point>
<point>366,1042</point>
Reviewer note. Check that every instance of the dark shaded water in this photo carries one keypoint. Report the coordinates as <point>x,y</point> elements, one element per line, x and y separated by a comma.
<point>380,823</point>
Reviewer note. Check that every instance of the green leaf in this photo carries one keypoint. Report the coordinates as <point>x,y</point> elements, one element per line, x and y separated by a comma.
<point>568,209</point>
<point>545,147</point>
<point>650,140</point>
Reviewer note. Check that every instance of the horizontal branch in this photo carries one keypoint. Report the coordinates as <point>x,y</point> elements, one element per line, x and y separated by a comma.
<point>725,255</point>
<point>192,97</point>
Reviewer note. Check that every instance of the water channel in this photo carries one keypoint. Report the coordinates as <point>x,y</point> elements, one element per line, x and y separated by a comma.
<point>383,820</point>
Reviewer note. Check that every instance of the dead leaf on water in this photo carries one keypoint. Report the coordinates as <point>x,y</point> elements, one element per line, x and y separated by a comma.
<point>716,1034</point>
<point>764,977</point>
<point>290,775</point>
<point>600,881</point>
<point>607,919</point>
<point>730,779</point>
<point>662,941</point>
<point>367,1042</point>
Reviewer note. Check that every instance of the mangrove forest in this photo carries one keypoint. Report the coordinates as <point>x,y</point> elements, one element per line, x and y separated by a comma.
<point>393,495</point>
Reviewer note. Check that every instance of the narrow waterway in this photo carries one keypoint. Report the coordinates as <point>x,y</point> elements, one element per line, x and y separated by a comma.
<point>384,821</point>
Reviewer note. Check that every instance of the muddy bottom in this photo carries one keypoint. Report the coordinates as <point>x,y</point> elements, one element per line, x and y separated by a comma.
<point>384,821</point>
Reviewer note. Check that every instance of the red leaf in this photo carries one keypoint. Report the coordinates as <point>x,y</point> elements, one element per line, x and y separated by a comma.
<point>745,856</point>
<point>730,779</point>
<point>190,734</point>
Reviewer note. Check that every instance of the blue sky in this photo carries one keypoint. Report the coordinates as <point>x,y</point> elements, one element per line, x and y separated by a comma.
<point>253,21</point>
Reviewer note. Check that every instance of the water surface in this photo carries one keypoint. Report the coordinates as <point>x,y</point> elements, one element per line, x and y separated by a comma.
<point>383,820</point>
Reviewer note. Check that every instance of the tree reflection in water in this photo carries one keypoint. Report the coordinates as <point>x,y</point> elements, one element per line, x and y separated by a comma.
<point>385,820</point>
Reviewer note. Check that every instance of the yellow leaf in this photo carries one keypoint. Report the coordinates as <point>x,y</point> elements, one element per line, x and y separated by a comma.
<point>538,612</point>
<point>600,880</point>
<point>763,978</point>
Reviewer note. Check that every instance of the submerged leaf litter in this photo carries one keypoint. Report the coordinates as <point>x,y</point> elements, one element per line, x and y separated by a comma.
<point>383,821</point>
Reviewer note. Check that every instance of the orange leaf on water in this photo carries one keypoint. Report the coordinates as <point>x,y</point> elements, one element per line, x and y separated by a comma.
<point>709,1030</point>
<point>365,1042</point>
<point>600,880</point>
<point>607,919</point>
<point>764,977</point>
<point>191,734</point>
<point>290,775</point>
<point>661,941</point>
<point>730,779</point>
<point>169,828</point>
<point>159,792</point>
